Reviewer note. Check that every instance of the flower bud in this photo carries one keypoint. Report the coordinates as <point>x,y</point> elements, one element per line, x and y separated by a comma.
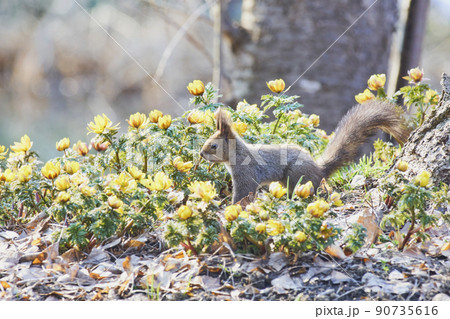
<point>137,120</point>
<point>164,122</point>
<point>63,144</point>
<point>81,148</point>
<point>71,167</point>
<point>196,87</point>
<point>154,116</point>
<point>276,189</point>
<point>98,145</point>
<point>62,183</point>
<point>184,212</point>
<point>274,227</point>
<point>364,97</point>
<point>423,178</point>
<point>240,127</point>
<point>276,86</point>
<point>376,81</point>
<point>414,75</point>
<point>402,166</point>
<point>232,212</point>
<point>260,228</point>
<point>50,170</point>
<point>196,117</point>
<point>114,202</point>
<point>305,190</point>
<point>314,119</point>
<point>300,236</point>
<point>62,197</point>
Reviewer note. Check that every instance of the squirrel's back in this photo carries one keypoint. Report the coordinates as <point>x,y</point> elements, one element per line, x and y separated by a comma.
<point>356,127</point>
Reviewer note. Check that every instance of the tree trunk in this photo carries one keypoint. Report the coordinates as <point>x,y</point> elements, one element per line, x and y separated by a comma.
<point>287,39</point>
<point>428,147</point>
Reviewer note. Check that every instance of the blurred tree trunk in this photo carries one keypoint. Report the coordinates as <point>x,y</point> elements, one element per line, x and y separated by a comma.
<point>412,39</point>
<point>282,39</point>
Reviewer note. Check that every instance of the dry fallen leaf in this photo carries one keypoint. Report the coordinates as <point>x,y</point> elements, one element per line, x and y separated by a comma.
<point>335,251</point>
<point>5,285</point>
<point>127,264</point>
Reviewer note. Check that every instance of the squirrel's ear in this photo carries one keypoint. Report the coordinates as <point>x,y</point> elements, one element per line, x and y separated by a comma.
<point>223,122</point>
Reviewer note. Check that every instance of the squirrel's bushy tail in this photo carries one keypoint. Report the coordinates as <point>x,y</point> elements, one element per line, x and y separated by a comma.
<point>357,126</point>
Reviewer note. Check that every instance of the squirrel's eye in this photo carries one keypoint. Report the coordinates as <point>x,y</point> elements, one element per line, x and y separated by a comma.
<point>213,146</point>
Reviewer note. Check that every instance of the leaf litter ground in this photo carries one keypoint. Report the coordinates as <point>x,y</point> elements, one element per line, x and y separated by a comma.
<point>31,268</point>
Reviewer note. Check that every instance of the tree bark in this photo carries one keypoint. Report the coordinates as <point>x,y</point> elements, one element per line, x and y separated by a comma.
<point>428,147</point>
<point>285,38</point>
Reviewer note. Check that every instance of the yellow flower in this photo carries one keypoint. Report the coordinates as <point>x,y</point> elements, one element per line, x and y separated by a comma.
<point>414,75</point>
<point>71,167</point>
<point>300,236</point>
<point>184,212</point>
<point>327,231</point>
<point>203,190</point>
<point>314,119</point>
<point>114,202</point>
<point>305,190</point>
<point>62,183</point>
<point>87,190</point>
<point>102,122</point>
<point>81,148</point>
<point>376,81</point>
<point>274,227</point>
<point>196,87</point>
<point>317,208</point>
<point>276,189</point>
<point>263,215</point>
<point>276,86</point>
<point>164,122</point>
<point>161,182</point>
<point>136,173</point>
<point>402,166</point>
<point>22,147</point>
<point>7,176</point>
<point>63,144</point>
<point>154,116</point>
<point>364,97</point>
<point>182,166</point>
<point>251,110</point>
<point>423,178</point>
<point>50,170</point>
<point>124,183</point>
<point>62,197</point>
<point>138,120</point>
<point>240,127</point>
<point>260,228</point>
<point>24,174</point>
<point>336,199</point>
<point>196,117</point>
<point>232,212</point>
<point>432,97</point>
<point>3,151</point>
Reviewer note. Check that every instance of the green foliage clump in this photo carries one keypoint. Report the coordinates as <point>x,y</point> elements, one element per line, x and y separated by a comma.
<point>153,178</point>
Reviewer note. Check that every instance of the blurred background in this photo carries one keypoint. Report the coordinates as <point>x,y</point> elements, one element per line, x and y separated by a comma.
<point>64,61</point>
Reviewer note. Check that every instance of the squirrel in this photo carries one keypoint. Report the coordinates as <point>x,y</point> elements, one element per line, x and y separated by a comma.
<point>253,165</point>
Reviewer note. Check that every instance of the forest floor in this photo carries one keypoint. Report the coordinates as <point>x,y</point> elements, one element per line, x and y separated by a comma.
<point>31,268</point>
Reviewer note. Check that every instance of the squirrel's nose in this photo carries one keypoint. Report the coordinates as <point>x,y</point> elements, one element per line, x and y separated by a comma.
<point>202,154</point>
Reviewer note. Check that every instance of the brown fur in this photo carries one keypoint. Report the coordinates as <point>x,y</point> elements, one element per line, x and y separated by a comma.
<point>254,165</point>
